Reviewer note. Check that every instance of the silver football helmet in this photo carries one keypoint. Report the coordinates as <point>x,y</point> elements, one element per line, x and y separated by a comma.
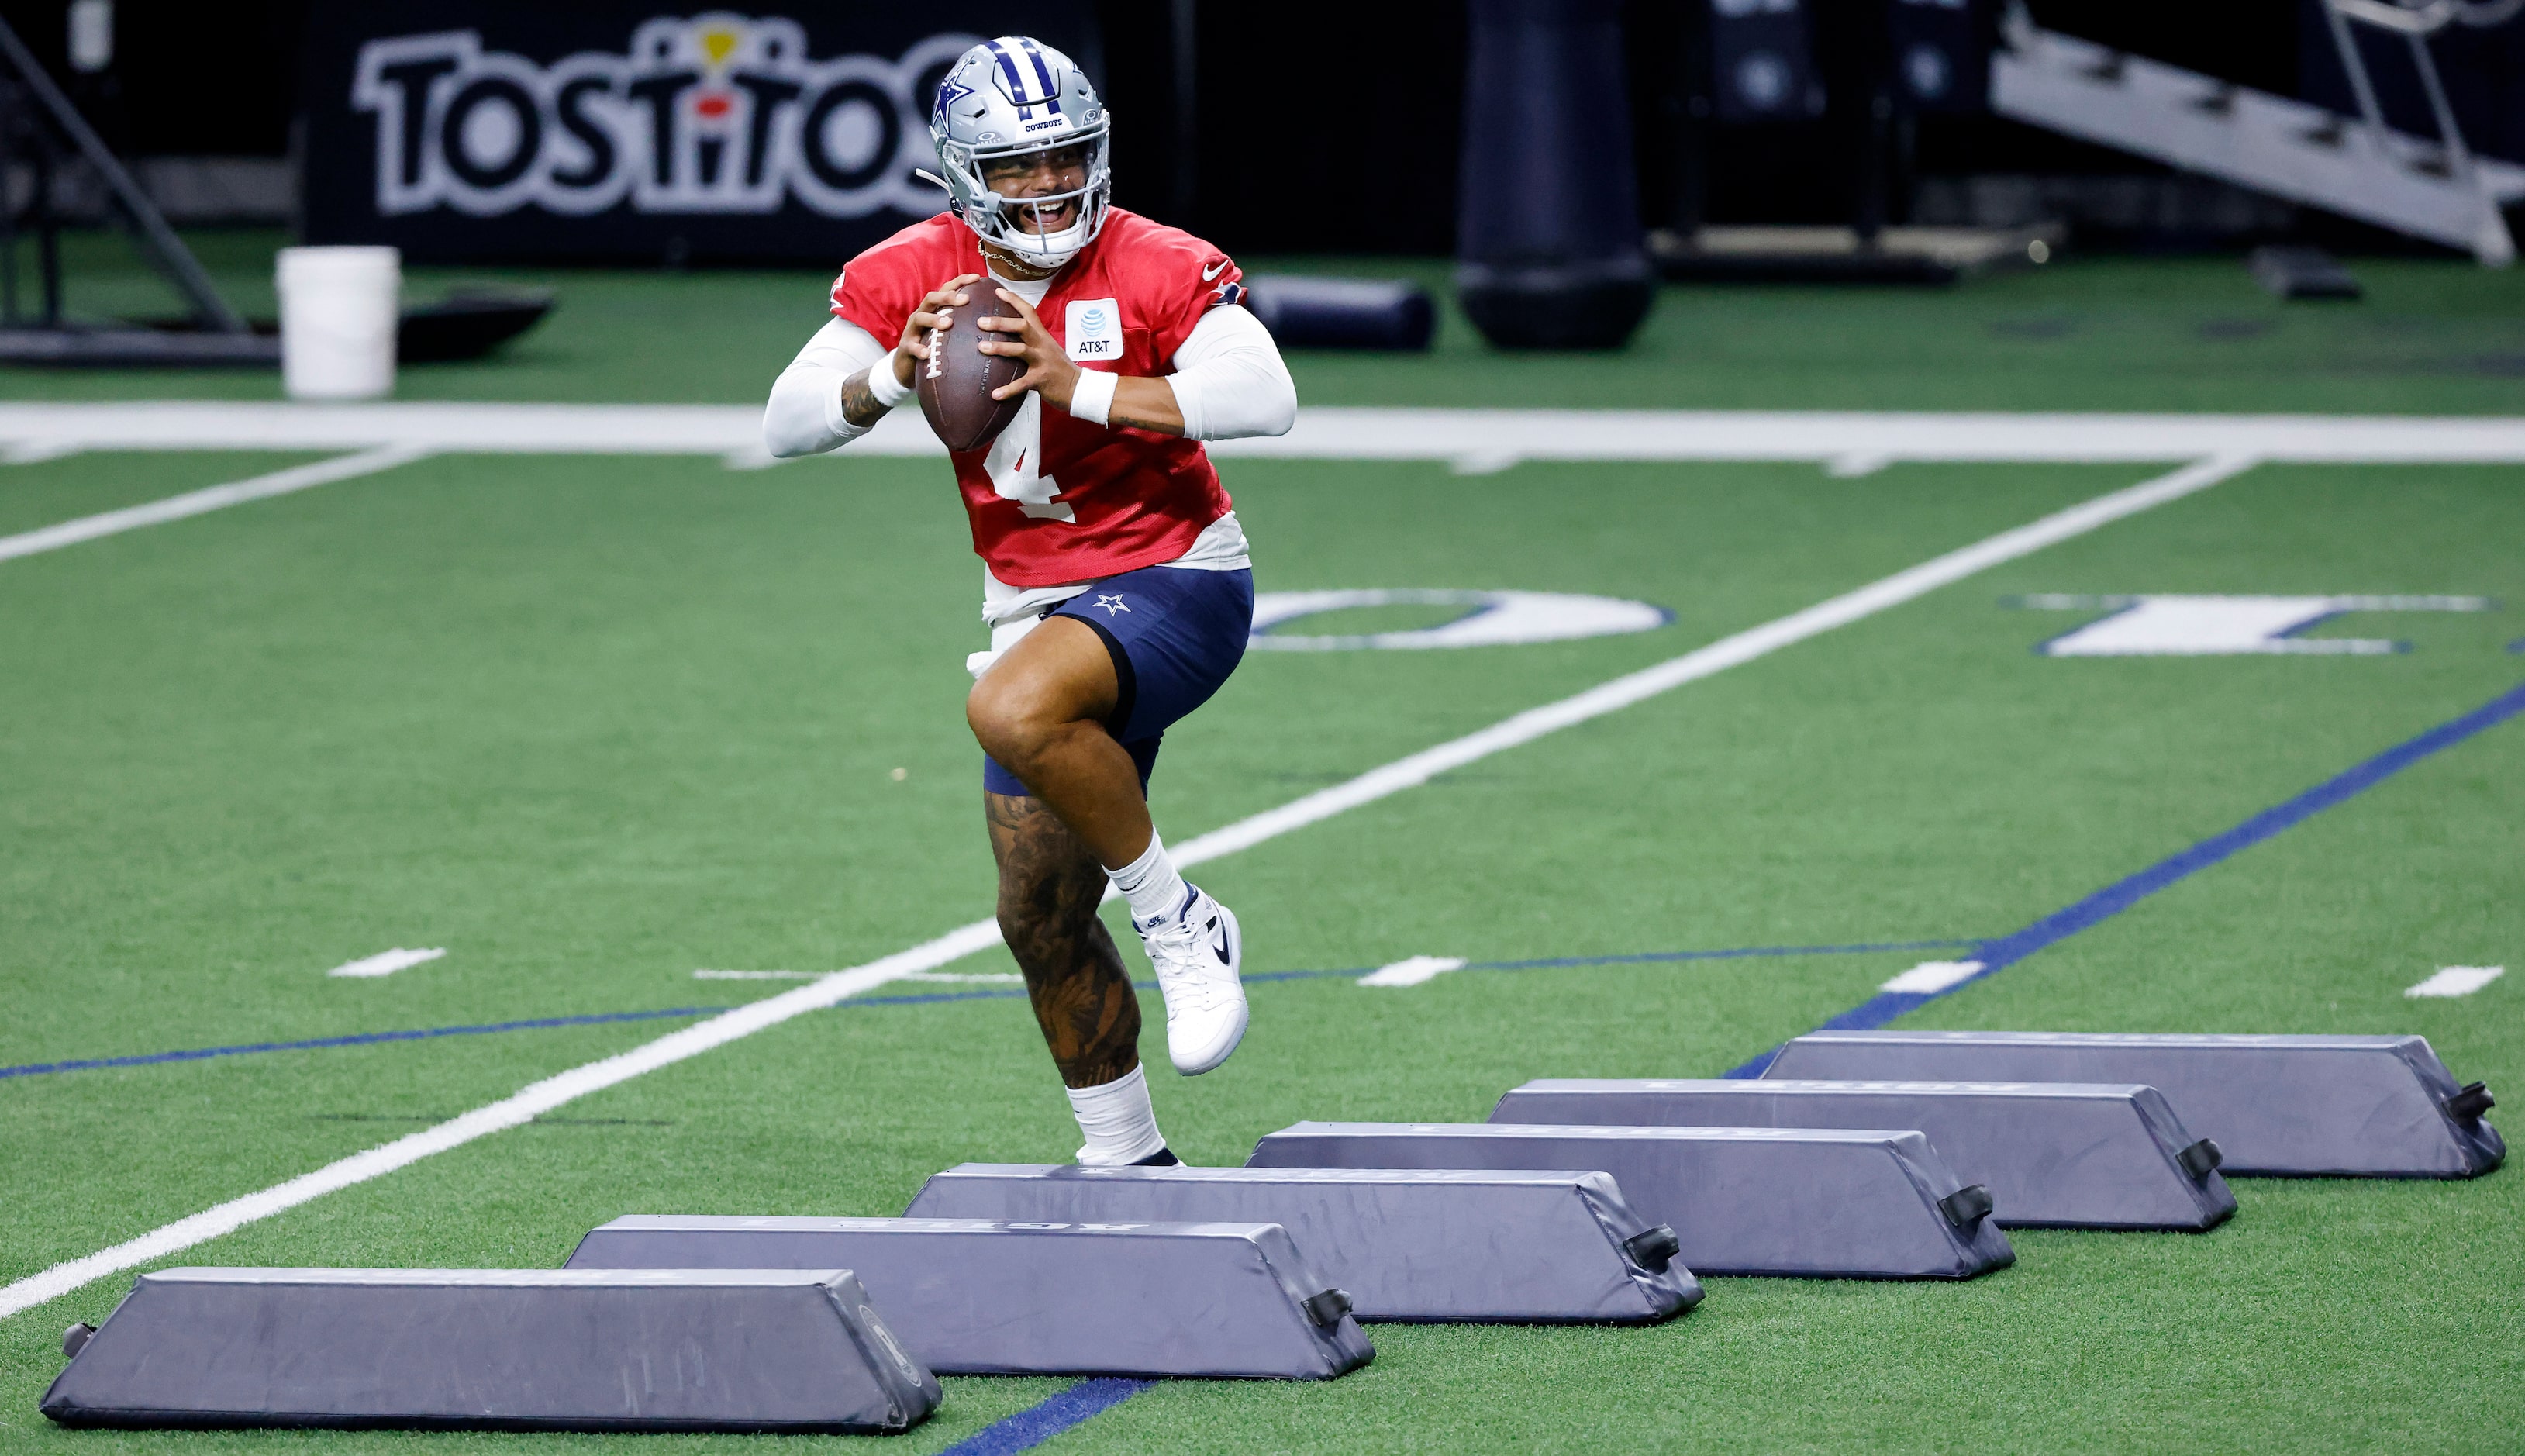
<point>1006,98</point>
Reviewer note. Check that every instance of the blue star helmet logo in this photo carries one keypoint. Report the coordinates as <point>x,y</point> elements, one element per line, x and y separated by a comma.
<point>949,93</point>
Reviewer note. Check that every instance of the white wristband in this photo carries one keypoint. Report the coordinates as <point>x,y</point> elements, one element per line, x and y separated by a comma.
<point>1093,399</point>
<point>885,387</point>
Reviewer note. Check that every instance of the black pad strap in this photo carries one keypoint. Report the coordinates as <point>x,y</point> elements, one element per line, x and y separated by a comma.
<point>2468,1104</point>
<point>1966,1206</point>
<point>1652,1249</point>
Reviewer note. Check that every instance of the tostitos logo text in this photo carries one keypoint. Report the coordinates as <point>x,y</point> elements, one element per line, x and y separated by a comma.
<point>718,112</point>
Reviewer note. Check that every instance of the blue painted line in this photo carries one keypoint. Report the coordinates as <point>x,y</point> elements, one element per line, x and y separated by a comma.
<point>925,1001</point>
<point>2517,646</point>
<point>543,1022</point>
<point>1715,955</point>
<point>1032,1426</point>
<point>1645,958</point>
<point>1551,963</point>
<point>1999,954</point>
<point>364,1038</point>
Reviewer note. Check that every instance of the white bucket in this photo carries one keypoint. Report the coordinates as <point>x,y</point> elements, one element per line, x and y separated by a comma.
<point>338,311</point>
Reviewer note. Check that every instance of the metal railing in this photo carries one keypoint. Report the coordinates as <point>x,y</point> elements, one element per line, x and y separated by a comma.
<point>2415,20</point>
<point>2429,16</point>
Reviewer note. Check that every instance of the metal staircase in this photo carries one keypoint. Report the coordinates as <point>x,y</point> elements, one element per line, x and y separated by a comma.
<point>2437,188</point>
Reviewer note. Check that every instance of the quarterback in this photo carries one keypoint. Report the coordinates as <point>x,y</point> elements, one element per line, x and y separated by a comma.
<point>1116,581</point>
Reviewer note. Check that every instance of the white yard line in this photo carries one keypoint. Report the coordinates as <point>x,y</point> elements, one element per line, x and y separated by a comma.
<point>2458,981</point>
<point>1860,443</point>
<point>757,974</point>
<point>1847,441</point>
<point>1413,971</point>
<point>386,962</point>
<point>1929,978</point>
<point>368,462</point>
<point>519,1108</point>
<point>1473,441</point>
<point>981,935</point>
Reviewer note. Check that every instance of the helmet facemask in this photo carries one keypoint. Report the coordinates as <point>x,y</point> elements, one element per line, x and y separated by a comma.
<point>1013,224</point>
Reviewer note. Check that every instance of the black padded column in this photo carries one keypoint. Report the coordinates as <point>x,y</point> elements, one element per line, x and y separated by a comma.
<point>1548,240</point>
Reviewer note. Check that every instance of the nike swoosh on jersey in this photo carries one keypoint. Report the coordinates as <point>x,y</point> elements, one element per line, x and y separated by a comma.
<point>1214,270</point>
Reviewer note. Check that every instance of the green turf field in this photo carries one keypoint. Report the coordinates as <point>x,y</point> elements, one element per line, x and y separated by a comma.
<point>2432,337</point>
<point>593,724</point>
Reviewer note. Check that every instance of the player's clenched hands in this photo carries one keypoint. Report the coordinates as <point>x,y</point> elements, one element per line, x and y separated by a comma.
<point>1048,370</point>
<point>935,311</point>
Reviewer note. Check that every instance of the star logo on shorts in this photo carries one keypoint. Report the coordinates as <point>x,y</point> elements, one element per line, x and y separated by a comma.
<point>1111,604</point>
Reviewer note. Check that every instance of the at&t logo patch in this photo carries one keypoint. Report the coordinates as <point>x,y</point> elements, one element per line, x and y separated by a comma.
<point>1093,329</point>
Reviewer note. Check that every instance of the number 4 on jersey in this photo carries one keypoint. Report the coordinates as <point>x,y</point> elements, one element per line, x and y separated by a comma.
<point>1012,466</point>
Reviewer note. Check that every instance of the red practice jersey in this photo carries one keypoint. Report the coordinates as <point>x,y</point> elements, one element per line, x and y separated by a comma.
<point>1077,501</point>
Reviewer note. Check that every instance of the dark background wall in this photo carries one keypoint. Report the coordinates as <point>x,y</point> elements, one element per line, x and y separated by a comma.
<point>1324,126</point>
<point>217,79</point>
<point>1330,125</point>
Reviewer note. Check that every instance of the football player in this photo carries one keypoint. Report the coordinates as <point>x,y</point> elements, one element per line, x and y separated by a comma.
<point>1116,582</point>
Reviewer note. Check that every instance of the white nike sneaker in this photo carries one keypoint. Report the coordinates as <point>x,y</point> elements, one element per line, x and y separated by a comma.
<point>1196,951</point>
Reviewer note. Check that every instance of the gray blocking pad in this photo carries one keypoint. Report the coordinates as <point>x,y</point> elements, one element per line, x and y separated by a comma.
<point>2279,1106</point>
<point>976,1296</point>
<point>1408,1244</point>
<point>743,1350</point>
<point>1741,1200</point>
<point>2065,1155</point>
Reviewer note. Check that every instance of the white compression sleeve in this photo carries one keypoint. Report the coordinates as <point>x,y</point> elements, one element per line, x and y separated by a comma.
<point>1229,381</point>
<point>805,414</point>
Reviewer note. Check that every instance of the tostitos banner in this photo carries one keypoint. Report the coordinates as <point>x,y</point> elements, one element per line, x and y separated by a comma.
<point>469,132</point>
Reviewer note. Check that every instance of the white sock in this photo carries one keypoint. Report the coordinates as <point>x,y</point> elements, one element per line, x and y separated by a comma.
<point>1149,882</point>
<point>1119,1124</point>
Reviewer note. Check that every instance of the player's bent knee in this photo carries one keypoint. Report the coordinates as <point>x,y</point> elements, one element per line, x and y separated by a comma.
<point>1016,723</point>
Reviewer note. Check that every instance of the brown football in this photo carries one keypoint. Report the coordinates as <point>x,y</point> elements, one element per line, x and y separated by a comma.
<point>956,380</point>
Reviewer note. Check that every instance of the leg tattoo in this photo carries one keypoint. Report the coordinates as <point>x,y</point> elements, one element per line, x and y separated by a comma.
<point>1050,884</point>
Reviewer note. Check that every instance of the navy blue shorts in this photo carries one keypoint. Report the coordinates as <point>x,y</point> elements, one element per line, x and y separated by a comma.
<point>1175,635</point>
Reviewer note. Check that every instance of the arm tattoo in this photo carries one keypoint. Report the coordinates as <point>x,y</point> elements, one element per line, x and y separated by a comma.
<point>859,402</point>
<point>1122,416</point>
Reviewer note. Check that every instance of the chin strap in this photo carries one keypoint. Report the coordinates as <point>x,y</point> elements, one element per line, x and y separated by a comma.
<point>999,256</point>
